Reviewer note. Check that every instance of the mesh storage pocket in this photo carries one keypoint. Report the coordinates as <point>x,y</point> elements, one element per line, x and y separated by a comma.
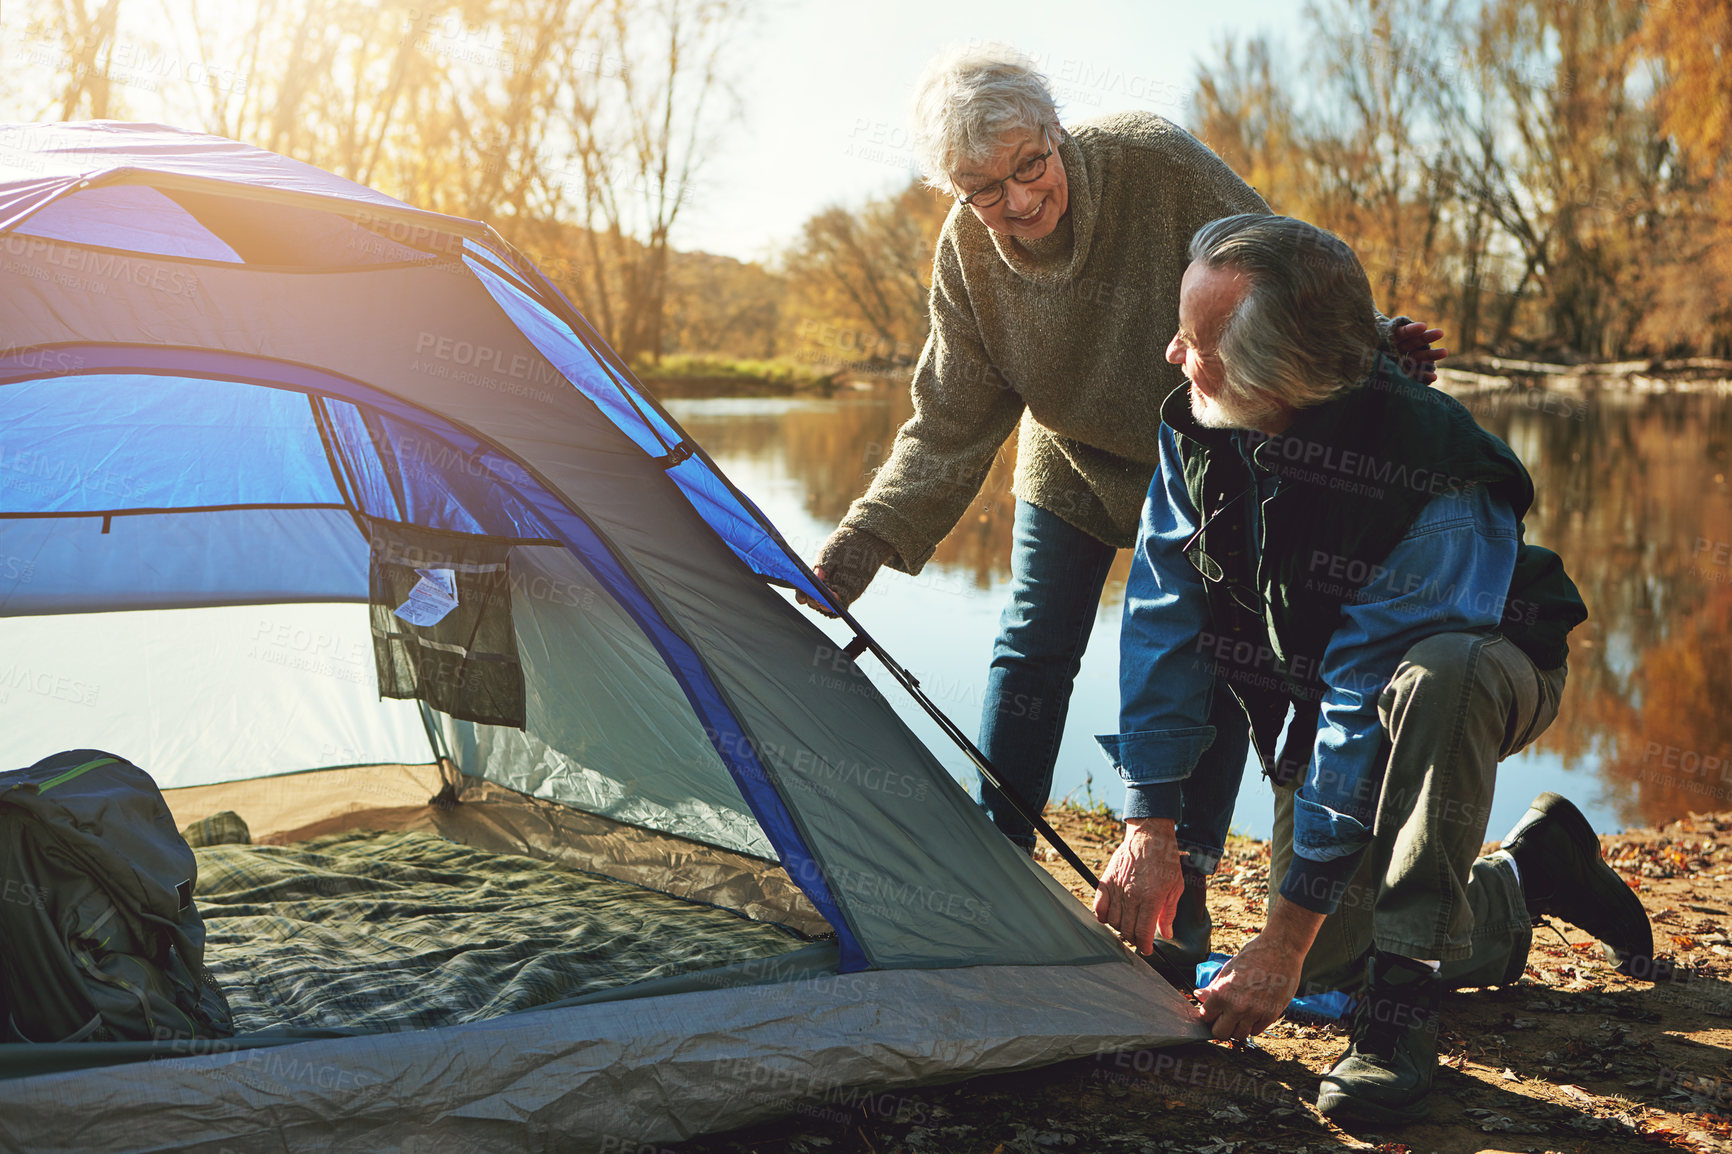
<point>465,664</point>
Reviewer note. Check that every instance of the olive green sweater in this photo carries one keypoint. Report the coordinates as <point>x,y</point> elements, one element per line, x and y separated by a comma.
<point>1067,335</point>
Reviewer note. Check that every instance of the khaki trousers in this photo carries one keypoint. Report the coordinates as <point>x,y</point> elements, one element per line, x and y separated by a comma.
<point>1458,704</point>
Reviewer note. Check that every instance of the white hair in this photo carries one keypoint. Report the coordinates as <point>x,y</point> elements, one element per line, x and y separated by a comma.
<point>968,99</point>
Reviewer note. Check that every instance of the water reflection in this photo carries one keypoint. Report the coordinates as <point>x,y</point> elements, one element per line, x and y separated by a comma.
<point>1634,491</point>
<point>1636,494</point>
<point>831,449</point>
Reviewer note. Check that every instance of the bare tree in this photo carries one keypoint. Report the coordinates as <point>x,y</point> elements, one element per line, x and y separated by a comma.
<point>646,100</point>
<point>870,267</point>
<point>1562,158</point>
<point>1245,112</point>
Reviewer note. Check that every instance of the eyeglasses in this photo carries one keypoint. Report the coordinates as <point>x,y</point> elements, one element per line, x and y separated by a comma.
<point>1245,598</point>
<point>1027,172</point>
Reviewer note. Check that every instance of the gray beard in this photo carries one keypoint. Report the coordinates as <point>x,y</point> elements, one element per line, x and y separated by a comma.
<point>1226,412</point>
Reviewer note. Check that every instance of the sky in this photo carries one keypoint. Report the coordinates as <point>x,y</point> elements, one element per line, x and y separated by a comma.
<point>825,87</point>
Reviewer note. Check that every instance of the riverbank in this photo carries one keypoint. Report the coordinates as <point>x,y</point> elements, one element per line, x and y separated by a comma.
<point>1477,373</point>
<point>1468,376</point>
<point>1574,1058</point>
<point>688,376</point>
<point>682,377</point>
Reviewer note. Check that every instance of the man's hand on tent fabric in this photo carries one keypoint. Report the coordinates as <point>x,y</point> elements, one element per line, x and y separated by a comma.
<point>1253,988</point>
<point>847,562</point>
<point>1418,358</point>
<point>1140,888</point>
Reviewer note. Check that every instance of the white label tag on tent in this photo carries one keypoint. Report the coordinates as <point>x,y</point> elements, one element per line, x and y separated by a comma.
<point>434,596</point>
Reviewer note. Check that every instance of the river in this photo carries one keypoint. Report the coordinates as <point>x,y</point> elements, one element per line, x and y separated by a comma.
<point>1635,491</point>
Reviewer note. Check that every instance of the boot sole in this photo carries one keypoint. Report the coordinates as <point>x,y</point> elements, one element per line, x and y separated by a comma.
<point>1337,1104</point>
<point>1574,824</point>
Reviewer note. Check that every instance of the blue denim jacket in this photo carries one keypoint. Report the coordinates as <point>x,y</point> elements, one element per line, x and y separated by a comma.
<point>1450,573</point>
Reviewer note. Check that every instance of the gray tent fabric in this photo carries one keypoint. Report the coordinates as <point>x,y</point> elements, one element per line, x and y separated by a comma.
<point>612,1076</point>
<point>667,684</point>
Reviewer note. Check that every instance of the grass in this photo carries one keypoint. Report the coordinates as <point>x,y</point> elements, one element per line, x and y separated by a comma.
<point>1098,818</point>
<point>775,371</point>
<point>1093,807</point>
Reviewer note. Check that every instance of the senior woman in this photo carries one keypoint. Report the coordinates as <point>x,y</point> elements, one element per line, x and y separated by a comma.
<point>1055,290</point>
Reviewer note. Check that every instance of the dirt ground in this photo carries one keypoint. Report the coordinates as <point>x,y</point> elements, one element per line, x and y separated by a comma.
<point>1575,1058</point>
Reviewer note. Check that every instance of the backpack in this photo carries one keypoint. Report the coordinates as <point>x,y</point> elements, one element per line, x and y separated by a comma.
<point>99,938</point>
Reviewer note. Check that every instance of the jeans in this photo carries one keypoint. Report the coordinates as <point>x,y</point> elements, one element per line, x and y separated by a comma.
<point>1057,574</point>
<point>1458,704</point>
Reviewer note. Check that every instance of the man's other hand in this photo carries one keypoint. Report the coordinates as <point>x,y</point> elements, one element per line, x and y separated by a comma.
<point>1253,988</point>
<point>1418,358</point>
<point>1139,891</point>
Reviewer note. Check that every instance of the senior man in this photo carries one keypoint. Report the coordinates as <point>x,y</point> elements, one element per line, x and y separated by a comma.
<point>1056,275</point>
<point>1328,535</point>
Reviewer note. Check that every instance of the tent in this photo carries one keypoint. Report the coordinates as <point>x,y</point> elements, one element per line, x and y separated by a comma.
<point>334,513</point>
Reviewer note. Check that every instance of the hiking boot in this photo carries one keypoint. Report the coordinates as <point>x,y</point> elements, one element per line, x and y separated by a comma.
<point>1386,1073</point>
<point>1563,875</point>
<point>1188,948</point>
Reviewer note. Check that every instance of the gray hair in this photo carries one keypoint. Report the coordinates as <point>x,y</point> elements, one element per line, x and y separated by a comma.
<point>1306,329</point>
<point>968,98</point>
